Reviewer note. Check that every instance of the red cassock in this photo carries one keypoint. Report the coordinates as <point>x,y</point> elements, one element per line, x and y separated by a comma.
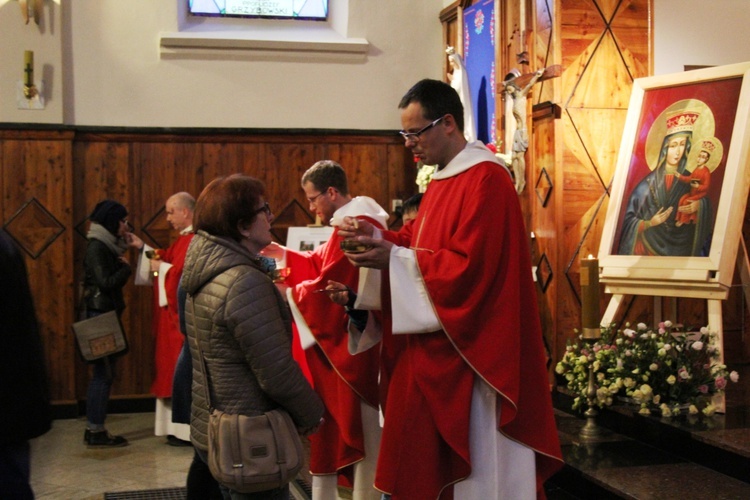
<point>165,320</point>
<point>472,251</point>
<point>342,380</point>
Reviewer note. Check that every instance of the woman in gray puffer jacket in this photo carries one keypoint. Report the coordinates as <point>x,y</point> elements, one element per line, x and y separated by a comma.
<point>239,317</point>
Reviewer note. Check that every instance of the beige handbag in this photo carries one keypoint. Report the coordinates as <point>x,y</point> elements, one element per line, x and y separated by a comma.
<point>249,454</point>
<point>100,336</point>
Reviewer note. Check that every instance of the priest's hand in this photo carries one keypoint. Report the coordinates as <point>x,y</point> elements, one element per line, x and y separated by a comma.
<point>351,227</point>
<point>377,257</point>
<point>154,264</point>
<point>133,241</point>
<point>274,251</point>
<point>338,292</point>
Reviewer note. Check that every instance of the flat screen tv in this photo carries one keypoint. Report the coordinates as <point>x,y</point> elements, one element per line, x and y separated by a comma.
<point>276,9</point>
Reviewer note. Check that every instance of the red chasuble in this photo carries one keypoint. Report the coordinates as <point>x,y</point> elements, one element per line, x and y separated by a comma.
<point>342,380</point>
<point>473,254</point>
<point>166,322</point>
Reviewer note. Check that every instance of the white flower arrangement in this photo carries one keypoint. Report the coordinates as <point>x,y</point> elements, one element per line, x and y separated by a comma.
<point>667,370</point>
<point>424,176</point>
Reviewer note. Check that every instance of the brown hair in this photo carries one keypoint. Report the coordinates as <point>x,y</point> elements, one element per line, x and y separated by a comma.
<point>325,174</point>
<point>227,203</point>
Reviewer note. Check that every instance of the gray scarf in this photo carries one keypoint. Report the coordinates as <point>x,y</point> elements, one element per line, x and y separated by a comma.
<point>98,232</point>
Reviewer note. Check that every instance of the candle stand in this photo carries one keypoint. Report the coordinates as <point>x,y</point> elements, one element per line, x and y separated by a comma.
<point>591,333</point>
<point>28,95</point>
<point>590,430</point>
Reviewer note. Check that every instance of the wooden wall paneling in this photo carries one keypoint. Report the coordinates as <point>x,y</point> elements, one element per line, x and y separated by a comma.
<point>162,169</point>
<point>542,191</point>
<point>599,42</point>
<point>68,172</point>
<point>36,186</point>
<point>546,49</point>
<point>544,32</point>
<point>633,27</point>
<point>221,158</point>
<point>284,166</point>
<point>106,170</point>
<point>365,165</point>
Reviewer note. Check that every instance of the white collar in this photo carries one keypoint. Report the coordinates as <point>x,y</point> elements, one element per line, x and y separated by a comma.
<point>474,152</point>
<point>358,206</point>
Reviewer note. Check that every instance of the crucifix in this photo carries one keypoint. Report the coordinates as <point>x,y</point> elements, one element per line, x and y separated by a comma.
<point>516,87</point>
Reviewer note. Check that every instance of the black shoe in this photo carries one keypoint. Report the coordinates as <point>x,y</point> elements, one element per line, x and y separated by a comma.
<point>175,441</point>
<point>103,439</point>
<point>86,435</point>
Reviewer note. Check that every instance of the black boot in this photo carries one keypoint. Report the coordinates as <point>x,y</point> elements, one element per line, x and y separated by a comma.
<point>175,441</point>
<point>103,439</point>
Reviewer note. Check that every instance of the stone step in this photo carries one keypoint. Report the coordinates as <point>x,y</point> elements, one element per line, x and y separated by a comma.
<point>648,457</point>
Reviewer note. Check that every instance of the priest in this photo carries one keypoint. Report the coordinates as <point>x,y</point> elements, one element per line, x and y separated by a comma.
<point>469,412</point>
<point>163,268</point>
<point>344,450</point>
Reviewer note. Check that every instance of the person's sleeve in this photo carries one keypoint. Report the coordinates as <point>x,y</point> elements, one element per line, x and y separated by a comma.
<point>254,316</point>
<point>410,302</point>
<point>165,282</point>
<point>143,269</point>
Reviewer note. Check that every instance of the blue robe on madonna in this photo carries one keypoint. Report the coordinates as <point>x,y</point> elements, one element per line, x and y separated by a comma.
<point>650,195</point>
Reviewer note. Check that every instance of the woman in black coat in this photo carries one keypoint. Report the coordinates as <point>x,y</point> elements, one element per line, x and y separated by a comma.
<point>24,390</point>
<point>106,273</point>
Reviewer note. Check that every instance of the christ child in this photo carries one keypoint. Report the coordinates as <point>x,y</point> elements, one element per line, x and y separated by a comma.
<point>699,180</point>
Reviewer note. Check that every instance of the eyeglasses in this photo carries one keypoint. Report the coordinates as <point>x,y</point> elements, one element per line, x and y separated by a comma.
<point>414,136</point>
<point>314,198</point>
<point>265,208</point>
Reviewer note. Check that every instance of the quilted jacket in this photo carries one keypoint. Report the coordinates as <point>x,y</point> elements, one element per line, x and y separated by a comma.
<point>244,328</point>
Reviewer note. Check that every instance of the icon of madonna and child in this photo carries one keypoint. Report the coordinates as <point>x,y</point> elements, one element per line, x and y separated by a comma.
<point>669,212</point>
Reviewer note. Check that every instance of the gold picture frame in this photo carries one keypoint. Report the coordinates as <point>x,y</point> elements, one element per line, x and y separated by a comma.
<point>677,202</point>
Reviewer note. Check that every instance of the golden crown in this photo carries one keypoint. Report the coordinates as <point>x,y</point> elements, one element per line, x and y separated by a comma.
<point>708,146</point>
<point>681,121</point>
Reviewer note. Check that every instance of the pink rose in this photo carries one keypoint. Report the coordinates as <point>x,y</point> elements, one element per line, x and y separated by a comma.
<point>720,382</point>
